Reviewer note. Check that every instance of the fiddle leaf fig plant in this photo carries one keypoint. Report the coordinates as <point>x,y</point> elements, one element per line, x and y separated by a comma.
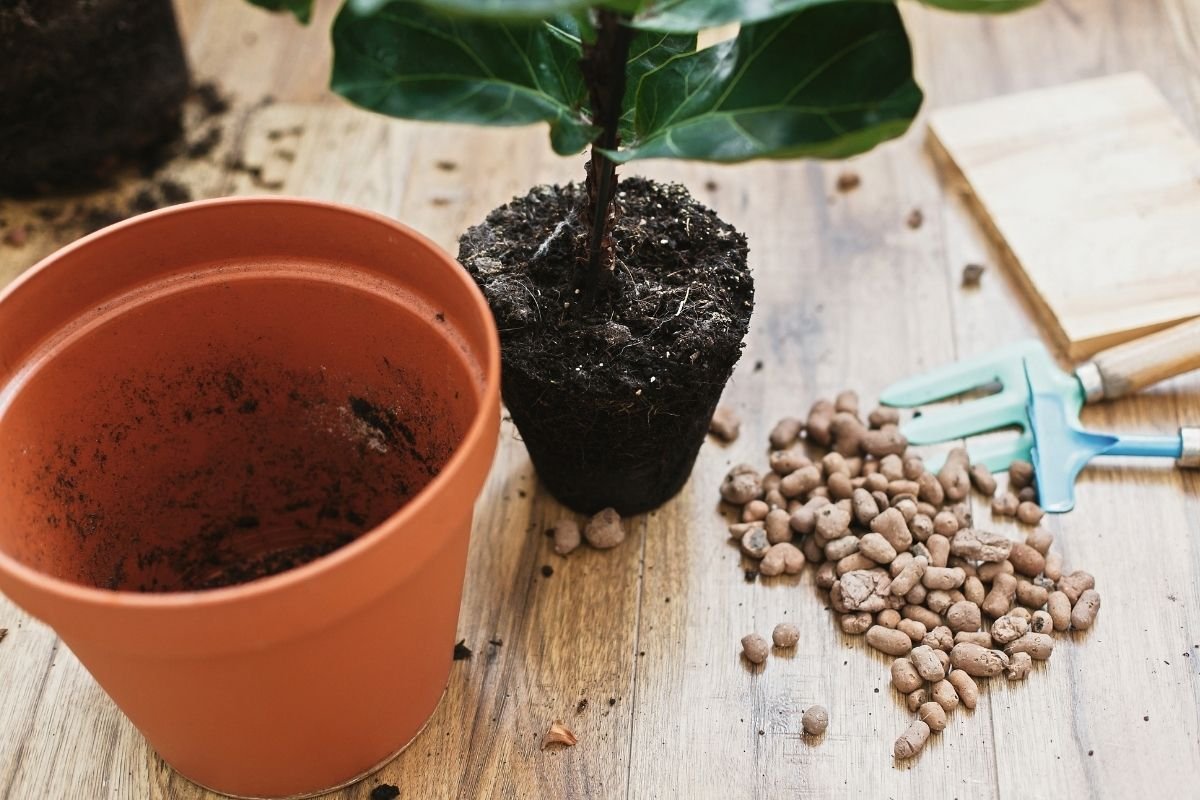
<point>623,312</point>
<point>801,78</point>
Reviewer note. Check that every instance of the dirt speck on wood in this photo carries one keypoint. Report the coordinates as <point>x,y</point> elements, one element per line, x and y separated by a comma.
<point>385,791</point>
<point>971,275</point>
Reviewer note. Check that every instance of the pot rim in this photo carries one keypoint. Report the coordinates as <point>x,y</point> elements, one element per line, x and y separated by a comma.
<point>261,587</point>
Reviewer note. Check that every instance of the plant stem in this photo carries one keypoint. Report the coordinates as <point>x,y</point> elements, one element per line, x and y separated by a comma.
<point>603,67</point>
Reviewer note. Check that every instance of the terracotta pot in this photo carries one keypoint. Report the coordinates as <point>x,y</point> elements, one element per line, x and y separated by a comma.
<point>215,392</point>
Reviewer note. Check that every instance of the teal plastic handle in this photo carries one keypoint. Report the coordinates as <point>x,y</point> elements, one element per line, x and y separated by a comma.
<point>1160,446</point>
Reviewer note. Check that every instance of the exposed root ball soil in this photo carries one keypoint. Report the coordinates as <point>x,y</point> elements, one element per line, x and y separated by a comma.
<point>613,401</point>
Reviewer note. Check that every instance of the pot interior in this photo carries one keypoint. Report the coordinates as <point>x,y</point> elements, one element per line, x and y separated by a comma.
<point>224,426</point>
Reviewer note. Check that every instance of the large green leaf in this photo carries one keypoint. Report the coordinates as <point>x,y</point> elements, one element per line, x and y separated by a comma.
<point>649,51</point>
<point>407,60</point>
<point>985,6</point>
<point>517,9</point>
<point>301,9</point>
<point>696,15</point>
<point>829,81</point>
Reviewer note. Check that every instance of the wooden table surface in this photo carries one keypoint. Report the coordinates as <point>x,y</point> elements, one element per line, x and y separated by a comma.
<point>648,633</point>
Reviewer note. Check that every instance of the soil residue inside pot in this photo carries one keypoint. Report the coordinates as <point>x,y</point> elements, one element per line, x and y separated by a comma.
<point>289,475</point>
<point>613,401</point>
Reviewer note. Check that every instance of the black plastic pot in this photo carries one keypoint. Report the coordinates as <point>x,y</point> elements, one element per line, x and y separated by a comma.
<point>613,402</point>
<point>86,85</point>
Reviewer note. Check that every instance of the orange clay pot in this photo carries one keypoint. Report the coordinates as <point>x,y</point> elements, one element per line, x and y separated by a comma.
<point>232,389</point>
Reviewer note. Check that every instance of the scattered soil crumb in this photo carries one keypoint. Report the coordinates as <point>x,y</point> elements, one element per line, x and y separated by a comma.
<point>581,706</point>
<point>547,570</point>
<point>4,634</point>
<point>174,192</point>
<point>236,164</point>
<point>212,101</point>
<point>612,701</point>
<point>758,365</point>
<point>751,575</point>
<point>445,165</point>
<point>145,200</point>
<point>915,218</point>
<point>848,181</point>
<point>461,651</point>
<point>385,791</point>
<point>497,642</point>
<point>971,275</point>
<point>711,186</point>
<point>96,218</point>
<point>275,134</point>
<point>17,236</point>
<point>203,146</point>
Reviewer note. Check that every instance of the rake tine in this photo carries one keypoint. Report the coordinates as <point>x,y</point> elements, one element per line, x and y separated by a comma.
<point>969,418</point>
<point>956,378</point>
<point>996,456</point>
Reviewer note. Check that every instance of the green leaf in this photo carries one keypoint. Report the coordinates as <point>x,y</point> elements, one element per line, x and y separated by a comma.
<point>696,15</point>
<point>407,60</point>
<point>516,9</point>
<point>831,81</point>
<point>301,9</point>
<point>985,6</point>
<point>649,51</point>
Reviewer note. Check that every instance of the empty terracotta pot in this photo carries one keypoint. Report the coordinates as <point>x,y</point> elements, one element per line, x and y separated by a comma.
<point>240,445</point>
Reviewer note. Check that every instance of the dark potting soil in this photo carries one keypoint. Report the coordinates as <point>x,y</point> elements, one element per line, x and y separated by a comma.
<point>292,472</point>
<point>385,791</point>
<point>613,401</point>
<point>86,84</point>
<point>66,217</point>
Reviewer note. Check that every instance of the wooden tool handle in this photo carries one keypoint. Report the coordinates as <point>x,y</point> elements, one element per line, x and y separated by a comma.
<point>1132,366</point>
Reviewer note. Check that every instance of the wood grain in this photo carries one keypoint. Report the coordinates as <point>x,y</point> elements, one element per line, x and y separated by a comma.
<point>1145,361</point>
<point>1090,190</point>
<point>848,295</point>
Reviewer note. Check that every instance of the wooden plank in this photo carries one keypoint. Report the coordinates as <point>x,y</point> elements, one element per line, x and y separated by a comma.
<point>847,296</point>
<point>1095,691</point>
<point>1090,190</point>
<point>834,289</point>
<point>62,735</point>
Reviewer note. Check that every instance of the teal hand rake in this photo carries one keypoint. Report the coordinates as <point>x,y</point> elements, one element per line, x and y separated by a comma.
<point>1114,373</point>
<point>1061,447</point>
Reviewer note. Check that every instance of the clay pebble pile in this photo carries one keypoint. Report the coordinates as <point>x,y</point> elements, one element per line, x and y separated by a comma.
<point>895,547</point>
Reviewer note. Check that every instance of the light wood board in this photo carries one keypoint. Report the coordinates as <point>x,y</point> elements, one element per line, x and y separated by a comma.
<point>848,295</point>
<point>1092,189</point>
